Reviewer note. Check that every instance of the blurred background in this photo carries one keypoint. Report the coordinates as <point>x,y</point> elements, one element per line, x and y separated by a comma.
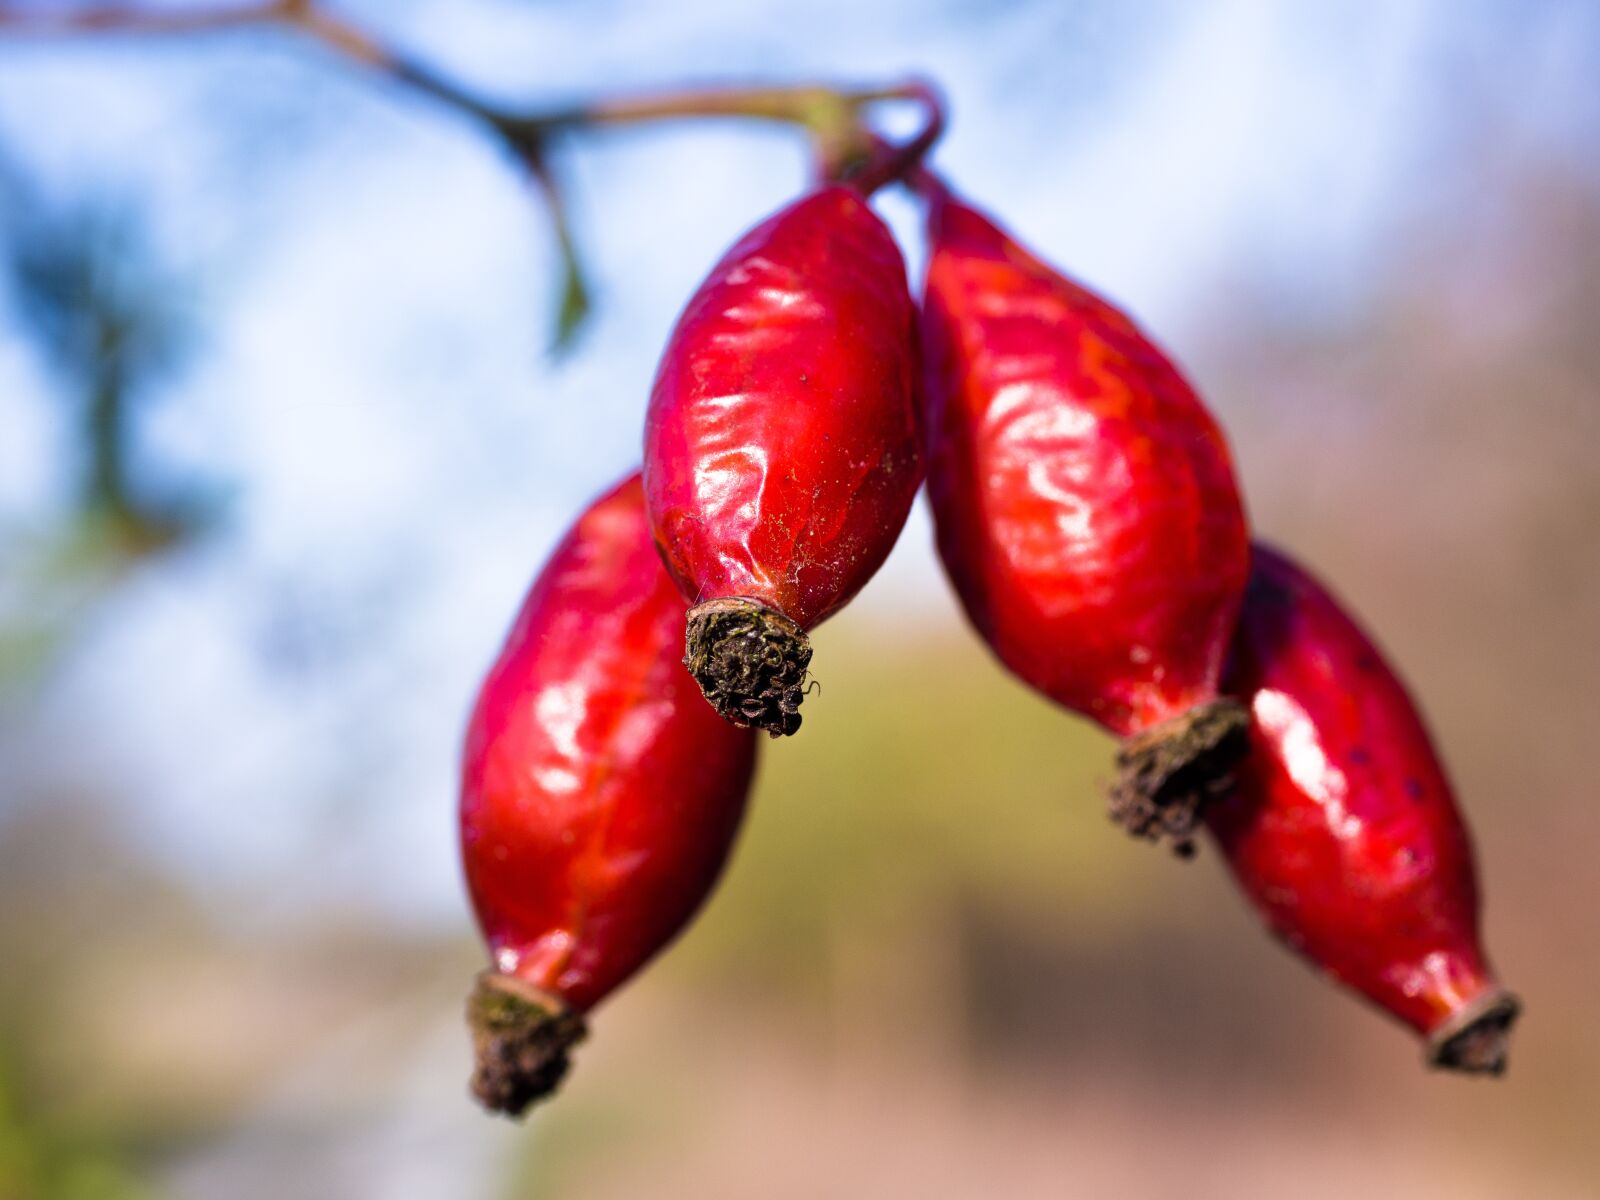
<point>282,441</point>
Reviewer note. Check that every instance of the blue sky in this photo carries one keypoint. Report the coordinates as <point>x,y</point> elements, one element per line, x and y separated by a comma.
<point>372,284</point>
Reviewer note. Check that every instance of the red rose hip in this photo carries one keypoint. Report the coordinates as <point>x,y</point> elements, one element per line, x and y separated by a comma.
<point>599,797</point>
<point>1086,511</point>
<point>781,449</point>
<point>1342,830</point>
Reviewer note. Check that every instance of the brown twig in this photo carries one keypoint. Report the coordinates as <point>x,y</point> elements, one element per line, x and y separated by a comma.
<point>845,148</point>
<point>114,18</point>
<point>821,109</point>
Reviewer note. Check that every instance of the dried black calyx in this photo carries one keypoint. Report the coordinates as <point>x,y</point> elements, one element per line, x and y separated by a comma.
<point>1168,773</point>
<point>750,662</point>
<point>1478,1040</point>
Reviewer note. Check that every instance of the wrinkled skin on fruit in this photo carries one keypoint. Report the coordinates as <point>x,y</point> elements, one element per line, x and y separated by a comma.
<point>599,798</point>
<point>1343,831</point>
<point>781,447</point>
<point>599,794</point>
<point>1084,498</point>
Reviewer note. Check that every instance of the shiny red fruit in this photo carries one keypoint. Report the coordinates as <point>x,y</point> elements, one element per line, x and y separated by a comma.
<point>599,796</point>
<point>781,449</point>
<point>1086,509</point>
<point>1343,831</point>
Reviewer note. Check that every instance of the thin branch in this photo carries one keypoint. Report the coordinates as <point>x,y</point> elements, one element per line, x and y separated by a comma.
<point>113,18</point>
<point>304,15</point>
<point>822,110</point>
<point>832,116</point>
<point>354,43</point>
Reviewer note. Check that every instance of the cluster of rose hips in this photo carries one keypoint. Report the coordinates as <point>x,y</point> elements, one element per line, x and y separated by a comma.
<point>1090,522</point>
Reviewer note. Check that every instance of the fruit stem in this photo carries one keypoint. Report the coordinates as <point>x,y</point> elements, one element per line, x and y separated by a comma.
<point>846,150</point>
<point>889,162</point>
<point>926,183</point>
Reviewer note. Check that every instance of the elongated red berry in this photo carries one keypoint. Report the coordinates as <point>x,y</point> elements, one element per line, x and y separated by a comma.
<point>1343,831</point>
<point>599,797</point>
<point>781,450</point>
<point>1086,511</point>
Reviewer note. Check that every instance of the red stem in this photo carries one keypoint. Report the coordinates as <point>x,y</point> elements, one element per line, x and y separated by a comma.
<point>889,162</point>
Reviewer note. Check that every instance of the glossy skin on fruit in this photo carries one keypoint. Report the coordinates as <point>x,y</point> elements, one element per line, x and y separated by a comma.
<point>781,448</point>
<point>600,795</point>
<point>1343,831</point>
<point>1084,498</point>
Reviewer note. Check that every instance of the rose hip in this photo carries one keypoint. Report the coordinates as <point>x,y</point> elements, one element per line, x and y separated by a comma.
<point>781,449</point>
<point>599,797</point>
<point>1086,511</point>
<point>1343,831</point>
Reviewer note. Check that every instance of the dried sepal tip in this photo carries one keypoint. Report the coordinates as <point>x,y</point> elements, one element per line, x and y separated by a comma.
<point>520,1040</point>
<point>1168,773</point>
<point>1477,1040</point>
<point>750,661</point>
